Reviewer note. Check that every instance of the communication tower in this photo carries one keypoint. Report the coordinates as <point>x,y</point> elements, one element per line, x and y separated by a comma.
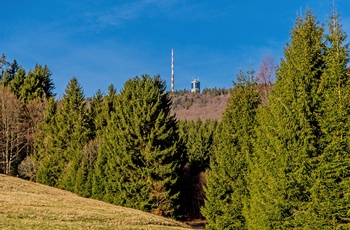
<point>172,70</point>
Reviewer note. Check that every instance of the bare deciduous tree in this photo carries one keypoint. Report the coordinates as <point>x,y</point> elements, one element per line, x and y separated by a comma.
<point>12,129</point>
<point>266,75</point>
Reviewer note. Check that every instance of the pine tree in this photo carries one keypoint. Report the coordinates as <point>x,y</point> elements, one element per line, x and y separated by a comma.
<point>287,135</point>
<point>226,180</point>
<point>331,191</point>
<point>140,150</point>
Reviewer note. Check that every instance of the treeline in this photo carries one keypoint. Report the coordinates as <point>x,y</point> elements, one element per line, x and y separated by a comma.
<point>281,158</point>
<point>210,91</point>
<point>23,99</point>
<point>124,148</point>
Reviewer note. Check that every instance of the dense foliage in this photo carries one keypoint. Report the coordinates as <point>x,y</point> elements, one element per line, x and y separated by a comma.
<point>226,180</point>
<point>140,157</point>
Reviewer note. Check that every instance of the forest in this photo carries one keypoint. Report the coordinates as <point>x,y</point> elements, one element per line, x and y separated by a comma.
<point>278,159</point>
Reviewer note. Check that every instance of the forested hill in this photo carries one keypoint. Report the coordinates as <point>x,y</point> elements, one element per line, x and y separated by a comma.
<point>210,104</point>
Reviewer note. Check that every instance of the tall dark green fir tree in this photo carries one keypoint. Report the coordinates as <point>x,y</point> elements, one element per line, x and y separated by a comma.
<point>280,178</point>
<point>226,188</point>
<point>70,132</point>
<point>140,150</point>
<point>330,193</point>
<point>37,84</point>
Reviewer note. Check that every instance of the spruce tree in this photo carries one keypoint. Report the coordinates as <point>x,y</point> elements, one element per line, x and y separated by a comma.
<point>46,155</point>
<point>102,120</point>
<point>331,191</point>
<point>140,150</point>
<point>37,84</point>
<point>69,133</point>
<point>197,137</point>
<point>17,82</point>
<point>287,136</point>
<point>226,180</point>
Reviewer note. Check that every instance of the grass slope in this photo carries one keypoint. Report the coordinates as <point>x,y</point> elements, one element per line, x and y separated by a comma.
<point>28,205</point>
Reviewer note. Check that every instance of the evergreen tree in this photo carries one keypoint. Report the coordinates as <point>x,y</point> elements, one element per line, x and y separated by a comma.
<point>12,70</point>
<point>85,170</point>
<point>199,143</point>
<point>331,191</point>
<point>69,134</point>
<point>197,137</point>
<point>287,137</point>
<point>18,81</point>
<point>226,180</point>
<point>47,153</point>
<point>74,132</point>
<point>101,123</point>
<point>37,84</point>
<point>140,149</point>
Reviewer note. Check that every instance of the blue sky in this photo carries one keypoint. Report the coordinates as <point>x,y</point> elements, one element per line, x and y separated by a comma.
<point>107,42</point>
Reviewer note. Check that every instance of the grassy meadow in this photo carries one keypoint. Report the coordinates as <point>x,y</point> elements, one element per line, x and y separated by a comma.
<point>29,205</point>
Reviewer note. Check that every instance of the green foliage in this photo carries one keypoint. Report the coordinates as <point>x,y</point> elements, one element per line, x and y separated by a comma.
<point>330,191</point>
<point>287,136</point>
<point>18,81</point>
<point>198,139</point>
<point>216,91</point>
<point>226,180</point>
<point>46,149</point>
<point>139,160</point>
<point>64,135</point>
<point>37,84</point>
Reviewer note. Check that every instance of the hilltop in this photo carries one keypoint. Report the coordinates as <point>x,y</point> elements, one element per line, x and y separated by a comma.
<point>194,106</point>
<point>29,205</point>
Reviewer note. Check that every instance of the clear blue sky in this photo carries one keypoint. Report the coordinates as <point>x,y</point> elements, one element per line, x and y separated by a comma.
<point>109,41</point>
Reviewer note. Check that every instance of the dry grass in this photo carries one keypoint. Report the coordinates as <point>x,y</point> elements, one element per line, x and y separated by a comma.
<point>28,205</point>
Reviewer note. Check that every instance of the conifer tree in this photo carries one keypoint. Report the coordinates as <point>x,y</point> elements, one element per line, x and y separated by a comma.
<point>101,122</point>
<point>75,132</point>
<point>46,155</point>
<point>70,133</point>
<point>85,170</point>
<point>287,137</point>
<point>197,137</point>
<point>140,150</point>
<point>17,82</point>
<point>331,191</point>
<point>37,84</point>
<point>199,143</point>
<point>226,180</point>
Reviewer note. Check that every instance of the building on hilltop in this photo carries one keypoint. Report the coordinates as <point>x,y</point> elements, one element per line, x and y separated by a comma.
<point>195,86</point>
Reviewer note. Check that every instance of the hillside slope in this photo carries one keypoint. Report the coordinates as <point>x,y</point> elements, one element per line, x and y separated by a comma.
<point>194,106</point>
<point>28,205</point>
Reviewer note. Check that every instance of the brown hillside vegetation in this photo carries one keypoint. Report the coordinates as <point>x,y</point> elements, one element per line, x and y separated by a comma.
<point>28,205</point>
<point>194,106</point>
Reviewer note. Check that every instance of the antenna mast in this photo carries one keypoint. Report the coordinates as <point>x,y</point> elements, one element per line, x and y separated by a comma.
<point>172,70</point>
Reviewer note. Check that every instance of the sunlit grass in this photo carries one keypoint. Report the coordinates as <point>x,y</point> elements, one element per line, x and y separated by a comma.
<point>28,205</point>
